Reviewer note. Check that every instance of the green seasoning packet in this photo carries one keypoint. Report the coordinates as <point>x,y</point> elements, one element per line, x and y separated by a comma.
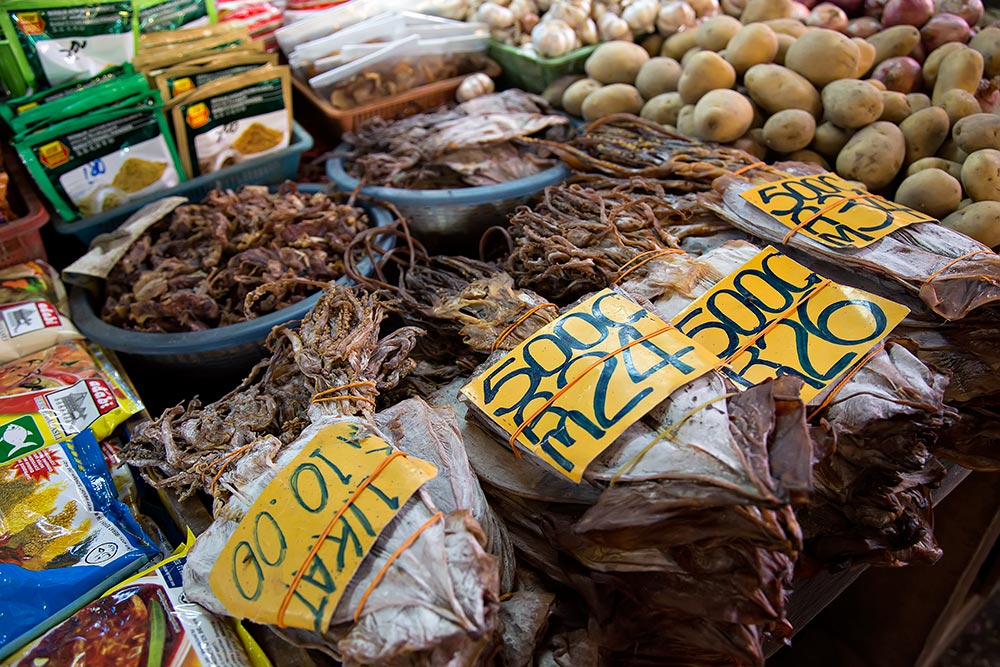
<point>234,119</point>
<point>157,15</point>
<point>196,73</point>
<point>69,40</point>
<point>100,160</point>
<point>13,108</point>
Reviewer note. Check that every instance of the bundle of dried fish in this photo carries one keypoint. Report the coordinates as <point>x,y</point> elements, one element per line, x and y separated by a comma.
<point>474,143</point>
<point>626,145</point>
<point>337,349</point>
<point>952,273</point>
<point>194,269</point>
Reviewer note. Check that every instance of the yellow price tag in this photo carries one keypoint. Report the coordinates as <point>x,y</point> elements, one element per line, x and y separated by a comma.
<point>774,316</point>
<point>574,386</point>
<point>821,208</point>
<point>295,552</point>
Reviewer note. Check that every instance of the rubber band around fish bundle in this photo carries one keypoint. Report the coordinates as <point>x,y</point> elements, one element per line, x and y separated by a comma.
<point>395,554</point>
<point>325,395</point>
<point>826,209</point>
<point>518,322</point>
<point>955,261</point>
<point>569,385</point>
<point>321,538</point>
<point>647,256</point>
<point>225,461</point>
<point>847,378</point>
<point>749,167</point>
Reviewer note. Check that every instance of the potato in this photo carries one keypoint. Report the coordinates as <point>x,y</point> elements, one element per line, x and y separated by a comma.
<point>866,56</point>
<point>722,115</point>
<point>576,93</point>
<point>953,168</point>
<point>978,131</point>
<point>823,56</point>
<point>987,42</point>
<point>961,70</point>
<point>789,130</point>
<point>663,109</point>
<point>616,62</point>
<point>784,43</point>
<point>932,62</point>
<point>852,103</point>
<point>950,151</point>
<point>878,84</point>
<point>898,40</point>
<point>873,155</point>
<point>689,55</point>
<point>754,44</point>
<point>790,27</point>
<point>829,139</point>
<point>895,107</point>
<point>924,132</point>
<point>554,92</point>
<point>749,143</point>
<point>980,220</point>
<point>918,101</point>
<point>763,10</point>
<point>657,76</point>
<point>931,191</point>
<point>981,174</point>
<point>959,104</point>
<point>680,43</point>
<point>653,43</point>
<point>776,88</point>
<point>613,98</point>
<point>714,33</point>
<point>704,72</point>
<point>809,156</point>
<point>685,120</point>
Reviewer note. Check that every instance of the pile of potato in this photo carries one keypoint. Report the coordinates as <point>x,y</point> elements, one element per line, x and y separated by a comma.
<point>780,89</point>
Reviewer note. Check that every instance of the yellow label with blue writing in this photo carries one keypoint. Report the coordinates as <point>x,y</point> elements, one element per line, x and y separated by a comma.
<point>601,380</point>
<point>302,522</point>
<point>850,223</point>
<point>773,316</point>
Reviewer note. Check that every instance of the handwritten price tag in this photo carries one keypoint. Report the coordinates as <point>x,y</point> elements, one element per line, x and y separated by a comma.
<point>850,223</point>
<point>258,572</point>
<point>602,400</point>
<point>774,316</point>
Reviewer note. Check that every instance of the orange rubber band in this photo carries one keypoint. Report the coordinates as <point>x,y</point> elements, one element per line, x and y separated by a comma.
<point>826,209</point>
<point>743,170</point>
<point>285,601</point>
<point>350,385</point>
<point>555,397</point>
<point>847,378</point>
<point>954,262</point>
<point>396,554</point>
<point>651,255</point>
<point>225,461</point>
<point>348,397</point>
<point>521,320</point>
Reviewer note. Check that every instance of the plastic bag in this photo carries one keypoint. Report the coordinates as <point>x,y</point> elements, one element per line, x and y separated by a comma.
<point>32,310</point>
<point>64,537</point>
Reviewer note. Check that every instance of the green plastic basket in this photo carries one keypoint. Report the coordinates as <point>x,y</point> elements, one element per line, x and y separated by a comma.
<point>13,75</point>
<point>532,73</point>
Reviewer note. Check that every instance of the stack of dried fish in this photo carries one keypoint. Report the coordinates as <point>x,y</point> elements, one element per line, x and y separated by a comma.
<point>472,144</point>
<point>193,270</point>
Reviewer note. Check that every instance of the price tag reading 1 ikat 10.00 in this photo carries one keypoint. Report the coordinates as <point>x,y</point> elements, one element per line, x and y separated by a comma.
<point>831,211</point>
<point>773,316</point>
<point>573,387</point>
<point>297,549</point>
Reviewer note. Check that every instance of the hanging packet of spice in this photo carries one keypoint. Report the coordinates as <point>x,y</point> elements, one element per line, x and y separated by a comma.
<point>102,159</point>
<point>166,15</point>
<point>33,313</point>
<point>54,394</point>
<point>195,73</point>
<point>155,40</point>
<point>234,119</point>
<point>68,40</point>
<point>152,61</point>
<point>145,620</point>
<point>64,536</point>
<point>13,108</point>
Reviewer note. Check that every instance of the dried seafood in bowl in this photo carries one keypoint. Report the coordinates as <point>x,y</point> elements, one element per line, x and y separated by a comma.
<point>475,143</point>
<point>193,270</point>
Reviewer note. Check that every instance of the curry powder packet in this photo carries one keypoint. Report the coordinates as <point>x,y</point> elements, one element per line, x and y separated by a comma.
<point>196,73</point>
<point>12,108</point>
<point>166,15</point>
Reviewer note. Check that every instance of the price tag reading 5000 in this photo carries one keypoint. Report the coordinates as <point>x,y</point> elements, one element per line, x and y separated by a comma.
<point>575,385</point>
<point>295,552</point>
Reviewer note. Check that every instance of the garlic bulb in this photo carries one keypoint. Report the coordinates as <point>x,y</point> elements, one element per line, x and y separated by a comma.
<point>528,23</point>
<point>611,28</point>
<point>733,7</point>
<point>705,8</point>
<point>675,16</point>
<point>474,85</point>
<point>588,32</point>
<point>553,37</point>
<point>544,5</point>
<point>495,16</point>
<point>521,8</point>
<point>572,12</point>
<point>641,15</point>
